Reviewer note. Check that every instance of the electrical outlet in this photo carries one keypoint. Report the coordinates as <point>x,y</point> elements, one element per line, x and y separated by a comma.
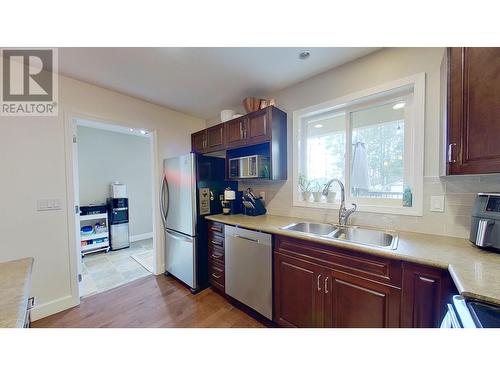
<point>262,194</point>
<point>437,203</point>
<point>48,204</point>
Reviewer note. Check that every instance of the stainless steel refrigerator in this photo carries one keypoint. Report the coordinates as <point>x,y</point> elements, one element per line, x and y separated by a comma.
<point>190,190</point>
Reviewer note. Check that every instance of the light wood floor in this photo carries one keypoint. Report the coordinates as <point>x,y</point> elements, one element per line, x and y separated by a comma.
<point>153,301</point>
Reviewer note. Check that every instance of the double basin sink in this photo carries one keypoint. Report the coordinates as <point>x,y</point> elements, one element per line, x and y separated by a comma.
<point>364,236</point>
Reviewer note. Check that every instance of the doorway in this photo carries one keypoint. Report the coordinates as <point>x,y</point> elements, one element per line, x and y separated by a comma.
<point>113,174</point>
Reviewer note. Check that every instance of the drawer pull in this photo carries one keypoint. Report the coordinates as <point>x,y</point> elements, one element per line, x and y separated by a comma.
<point>216,256</point>
<point>326,285</point>
<point>215,276</point>
<point>216,243</point>
<point>216,229</point>
<point>318,281</point>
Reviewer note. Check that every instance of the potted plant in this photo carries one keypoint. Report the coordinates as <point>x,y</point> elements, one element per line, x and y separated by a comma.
<point>305,186</point>
<point>317,191</point>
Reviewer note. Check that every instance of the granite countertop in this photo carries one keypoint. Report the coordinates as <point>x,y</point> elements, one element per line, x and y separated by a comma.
<point>476,272</point>
<point>15,288</point>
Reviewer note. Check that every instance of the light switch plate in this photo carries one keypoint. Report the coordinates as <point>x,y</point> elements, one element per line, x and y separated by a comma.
<point>437,203</point>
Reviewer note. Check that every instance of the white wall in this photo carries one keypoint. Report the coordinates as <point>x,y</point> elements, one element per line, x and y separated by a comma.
<point>105,157</point>
<point>32,166</point>
<point>384,66</point>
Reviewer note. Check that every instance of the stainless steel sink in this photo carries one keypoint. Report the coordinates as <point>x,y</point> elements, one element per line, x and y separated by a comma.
<point>371,237</point>
<point>364,236</point>
<point>312,228</point>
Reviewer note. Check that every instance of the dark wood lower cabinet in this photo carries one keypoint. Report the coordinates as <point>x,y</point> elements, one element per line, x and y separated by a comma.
<point>297,293</point>
<point>316,287</point>
<point>425,293</point>
<point>353,302</point>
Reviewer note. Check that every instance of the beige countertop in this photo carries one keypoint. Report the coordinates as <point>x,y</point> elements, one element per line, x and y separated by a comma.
<point>476,272</point>
<point>15,288</point>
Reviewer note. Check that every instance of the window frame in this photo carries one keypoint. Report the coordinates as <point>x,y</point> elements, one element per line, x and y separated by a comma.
<point>414,142</point>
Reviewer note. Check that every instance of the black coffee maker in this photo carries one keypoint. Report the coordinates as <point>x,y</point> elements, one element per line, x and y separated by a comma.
<point>252,206</point>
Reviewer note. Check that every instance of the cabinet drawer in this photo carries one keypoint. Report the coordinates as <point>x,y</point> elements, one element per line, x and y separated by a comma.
<point>215,239</point>
<point>216,253</point>
<point>216,227</point>
<point>368,266</point>
<point>216,275</point>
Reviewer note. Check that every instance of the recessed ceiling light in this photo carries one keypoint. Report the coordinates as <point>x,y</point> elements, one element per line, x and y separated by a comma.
<point>144,132</point>
<point>318,126</point>
<point>131,129</point>
<point>304,55</point>
<point>398,105</point>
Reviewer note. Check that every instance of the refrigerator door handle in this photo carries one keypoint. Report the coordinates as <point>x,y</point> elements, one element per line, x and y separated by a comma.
<point>179,236</point>
<point>163,207</point>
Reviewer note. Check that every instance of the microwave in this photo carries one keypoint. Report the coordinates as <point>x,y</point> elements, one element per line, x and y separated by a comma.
<point>254,166</point>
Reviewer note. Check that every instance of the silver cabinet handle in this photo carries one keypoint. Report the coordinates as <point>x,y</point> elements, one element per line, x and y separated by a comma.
<point>163,206</point>
<point>450,153</point>
<point>216,256</point>
<point>216,243</point>
<point>319,283</point>
<point>326,285</point>
<point>241,130</point>
<point>216,276</point>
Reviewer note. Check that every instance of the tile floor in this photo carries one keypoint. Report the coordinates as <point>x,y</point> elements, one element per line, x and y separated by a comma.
<point>104,271</point>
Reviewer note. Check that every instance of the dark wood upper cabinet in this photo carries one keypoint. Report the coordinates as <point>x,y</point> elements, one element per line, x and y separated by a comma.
<point>473,110</point>
<point>297,292</point>
<point>425,292</point>
<point>258,128</point>
<point>215,138</point>
<point>199,141</point>
<point>235,132</point>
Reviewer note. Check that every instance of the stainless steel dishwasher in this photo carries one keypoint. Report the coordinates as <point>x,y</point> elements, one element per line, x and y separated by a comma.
<point>249,268</point>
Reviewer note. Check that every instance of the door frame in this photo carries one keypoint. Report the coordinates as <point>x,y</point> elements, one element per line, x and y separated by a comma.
<point>72,186</point>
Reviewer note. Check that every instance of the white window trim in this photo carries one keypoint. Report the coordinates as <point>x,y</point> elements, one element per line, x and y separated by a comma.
<point>416,81</point>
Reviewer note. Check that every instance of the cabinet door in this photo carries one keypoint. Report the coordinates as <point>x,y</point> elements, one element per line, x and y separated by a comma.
<point>354,302</point>
<point>298,292</point>
<point>198,141</point>
<point>258,127</point>
<point>473,110</point>
<point>425,293</point>
<point>215,138</point>
<point>235,132</point>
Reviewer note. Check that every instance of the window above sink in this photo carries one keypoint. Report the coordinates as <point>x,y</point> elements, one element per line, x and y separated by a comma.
<point>371,140</point>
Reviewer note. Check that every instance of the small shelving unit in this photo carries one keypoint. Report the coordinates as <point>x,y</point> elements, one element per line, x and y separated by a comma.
<point>94,242</point>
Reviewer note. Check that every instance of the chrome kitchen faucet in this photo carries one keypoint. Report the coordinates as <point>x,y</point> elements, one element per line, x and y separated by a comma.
<point>343,212</point>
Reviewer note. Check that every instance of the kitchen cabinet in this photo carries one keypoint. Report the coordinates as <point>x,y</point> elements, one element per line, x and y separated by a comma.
<point>199,141</point>
<point>473,110</point>
<point>216,253</point>
<point>425,293</point>
<point>258,127</point>
<point>215,138</point>
<point>355,302</point>
<point>235,132</point>
<point>322,286</point>
<point>319,285</point>
<point>298,296</point>
<point>208,140</point>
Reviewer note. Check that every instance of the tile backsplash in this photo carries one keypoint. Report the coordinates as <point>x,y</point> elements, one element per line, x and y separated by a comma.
<point>459,192</point>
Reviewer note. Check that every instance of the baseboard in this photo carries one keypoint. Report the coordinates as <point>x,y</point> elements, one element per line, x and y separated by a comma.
<point>139,237</point>
<point>52,307</point>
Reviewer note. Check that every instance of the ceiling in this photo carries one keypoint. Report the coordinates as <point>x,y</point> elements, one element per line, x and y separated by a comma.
<point>200,81</point>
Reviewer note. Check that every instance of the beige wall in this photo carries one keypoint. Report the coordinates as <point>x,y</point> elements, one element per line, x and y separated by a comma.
<point>105,157</point>
<point>384,66</point>
<point>32,166</point>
